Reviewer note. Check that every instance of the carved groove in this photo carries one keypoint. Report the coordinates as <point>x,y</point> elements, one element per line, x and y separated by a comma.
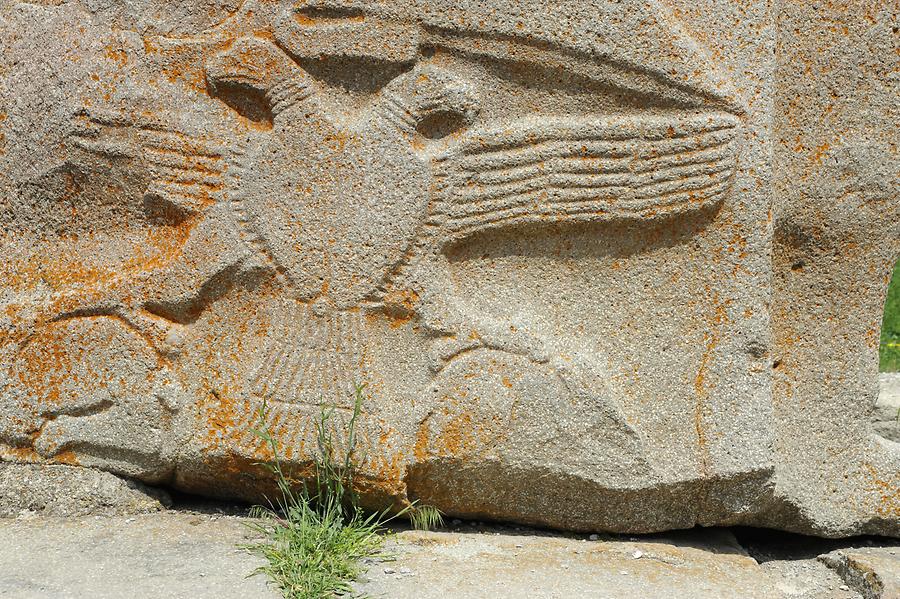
<point>580,170</point>
<point>288,93</point>
<point>185,172</point>
<point>312,358</point>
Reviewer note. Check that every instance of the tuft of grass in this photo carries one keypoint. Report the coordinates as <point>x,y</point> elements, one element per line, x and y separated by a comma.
<point>889,350</point>
<point>314,538</point>
<point>425,517</point>
<point>314,556</point>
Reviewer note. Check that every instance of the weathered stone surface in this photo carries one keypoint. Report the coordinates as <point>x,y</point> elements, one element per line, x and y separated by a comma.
<point>873,572</point>
<point>807,579</point>
<point>886,416</point>
<point>807,568</point>
<point>545,242</point>
<point>836,240</point>
<point>194,555</point>
<point>58,490</point>
<point>708,565</point>
<point>177,555</point>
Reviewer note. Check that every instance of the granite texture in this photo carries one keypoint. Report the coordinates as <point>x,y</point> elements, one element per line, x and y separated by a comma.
<point>194,553</point>
<point>58,490</point>
<point>610,266</point>
<point>886,415</point>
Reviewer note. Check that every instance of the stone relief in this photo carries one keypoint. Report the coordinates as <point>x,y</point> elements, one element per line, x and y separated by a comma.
<point>543,248</point>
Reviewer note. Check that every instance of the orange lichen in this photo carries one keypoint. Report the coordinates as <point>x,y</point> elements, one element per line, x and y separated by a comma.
<point>2,136</point>
<point>887,491</point>
<point>221,417</point>
<point>19,454</point>
<point>458,435</point>
<point>420,449</point>
<point>304,20</point>
<point>401,306</point>
<point>711,339</point>
<point>821,150</point>
<point>65,457</point>
<point>54,368</point>
<point>337,140</point>
<point>116,54</point>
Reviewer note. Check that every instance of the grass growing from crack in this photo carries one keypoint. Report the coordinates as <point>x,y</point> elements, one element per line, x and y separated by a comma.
<point>425,517</point>
<point>315,537</point>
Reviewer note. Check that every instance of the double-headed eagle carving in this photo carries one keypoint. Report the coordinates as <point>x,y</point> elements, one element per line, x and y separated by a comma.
<point>355,210</point>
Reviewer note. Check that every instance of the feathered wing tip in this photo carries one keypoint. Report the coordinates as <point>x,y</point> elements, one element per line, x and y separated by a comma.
<point>186,171</point>
<point>261,66</point>
<point>566,169</point>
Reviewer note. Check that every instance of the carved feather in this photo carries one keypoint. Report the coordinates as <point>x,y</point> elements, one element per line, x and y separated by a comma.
<point>566,169</point>
<point>186,171</point>
<point>312,359</point>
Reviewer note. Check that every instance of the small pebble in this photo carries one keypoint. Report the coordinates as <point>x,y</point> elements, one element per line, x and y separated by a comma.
<point>594,537</point>
<point>844,587</point>
<point>637,554</point>
<point>389,570</point>
<point>623,573</point>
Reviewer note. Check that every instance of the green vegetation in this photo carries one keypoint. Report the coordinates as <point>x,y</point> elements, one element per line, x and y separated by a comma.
<point>890,329</point>
<point>425,517</point>
<point>314,538</point>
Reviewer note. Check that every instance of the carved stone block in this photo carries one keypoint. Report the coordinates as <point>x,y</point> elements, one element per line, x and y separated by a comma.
<point>601,265</point>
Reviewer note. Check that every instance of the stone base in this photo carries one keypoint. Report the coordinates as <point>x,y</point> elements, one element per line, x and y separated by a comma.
<point>59,490</point>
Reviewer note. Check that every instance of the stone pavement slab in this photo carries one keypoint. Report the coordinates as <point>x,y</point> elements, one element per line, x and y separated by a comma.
<point>194,555</point>
<point>873,571</point>
<point>697,565</point>
<point>162,556</point>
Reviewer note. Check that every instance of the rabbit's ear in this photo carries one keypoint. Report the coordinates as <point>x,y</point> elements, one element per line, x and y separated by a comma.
<point>257,65</point>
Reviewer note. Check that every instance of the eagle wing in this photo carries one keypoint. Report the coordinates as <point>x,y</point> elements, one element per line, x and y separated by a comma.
<point>186,172</point>
<point>568,169</point>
